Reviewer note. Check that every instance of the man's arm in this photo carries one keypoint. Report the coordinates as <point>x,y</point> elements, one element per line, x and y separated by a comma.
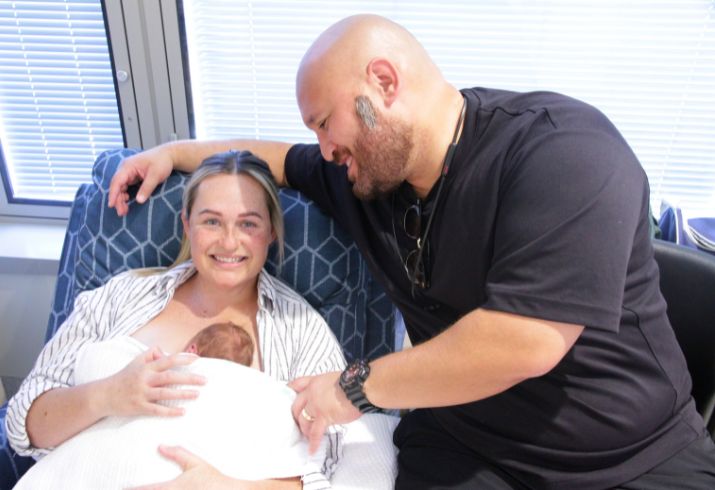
<point>483,354</point>
<point>151,167</point>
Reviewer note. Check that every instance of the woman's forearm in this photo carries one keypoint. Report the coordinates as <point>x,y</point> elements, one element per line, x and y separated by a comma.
<point>279,484</point>
<point>59,414</point>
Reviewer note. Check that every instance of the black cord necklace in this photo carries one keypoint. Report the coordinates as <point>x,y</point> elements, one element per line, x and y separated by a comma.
<point>421,242</point>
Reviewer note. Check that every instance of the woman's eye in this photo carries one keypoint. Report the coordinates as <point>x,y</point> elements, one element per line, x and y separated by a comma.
<point>249,224</point>
<point>211,222</point>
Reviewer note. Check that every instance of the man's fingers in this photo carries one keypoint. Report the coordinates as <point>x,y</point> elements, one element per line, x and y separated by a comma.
<point>299,384</point>
<point>117,187</point>
<point>147,187</point>
<point>125,176</point>
<point>315,434</point>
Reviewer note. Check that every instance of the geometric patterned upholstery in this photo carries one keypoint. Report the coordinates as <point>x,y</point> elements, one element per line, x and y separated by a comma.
<point>321,262</point>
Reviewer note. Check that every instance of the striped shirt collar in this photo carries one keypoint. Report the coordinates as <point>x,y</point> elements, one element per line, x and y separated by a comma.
<point>176,276</point>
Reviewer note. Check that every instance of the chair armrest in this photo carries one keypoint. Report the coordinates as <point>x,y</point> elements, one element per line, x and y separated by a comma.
<point>12,466</point>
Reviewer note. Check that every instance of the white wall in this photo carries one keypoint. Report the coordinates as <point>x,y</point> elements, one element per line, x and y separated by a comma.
<point>29,247</point>
<point>29,259</point>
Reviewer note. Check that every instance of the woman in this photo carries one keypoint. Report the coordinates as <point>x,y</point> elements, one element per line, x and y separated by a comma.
<point>231,216</point>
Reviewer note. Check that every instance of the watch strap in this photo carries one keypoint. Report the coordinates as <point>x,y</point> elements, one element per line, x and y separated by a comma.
<point>352,381</point>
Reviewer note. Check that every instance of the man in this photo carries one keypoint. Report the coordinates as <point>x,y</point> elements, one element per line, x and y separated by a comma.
<point>511,230</point>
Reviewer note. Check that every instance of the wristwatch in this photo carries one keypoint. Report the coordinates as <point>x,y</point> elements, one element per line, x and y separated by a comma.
<point>352,381</point>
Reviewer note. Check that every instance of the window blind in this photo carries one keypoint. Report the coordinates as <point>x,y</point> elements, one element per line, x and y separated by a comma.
<point>647,64</point>
<point>58,107</point>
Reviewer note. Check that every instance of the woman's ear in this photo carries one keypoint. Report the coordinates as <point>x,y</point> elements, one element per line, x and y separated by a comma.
<point>185,221</point>
<point>383,74</point>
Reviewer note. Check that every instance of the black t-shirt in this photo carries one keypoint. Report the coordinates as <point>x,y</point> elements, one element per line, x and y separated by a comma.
<point>544,213</point>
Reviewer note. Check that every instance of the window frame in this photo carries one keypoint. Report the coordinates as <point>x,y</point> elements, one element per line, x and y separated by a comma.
<point>150,88</point>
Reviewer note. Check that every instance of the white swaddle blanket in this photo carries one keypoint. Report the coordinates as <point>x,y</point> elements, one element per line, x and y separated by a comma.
<point>241,423</point>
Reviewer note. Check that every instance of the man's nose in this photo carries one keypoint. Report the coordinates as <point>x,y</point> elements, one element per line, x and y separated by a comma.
<point>327,147</point>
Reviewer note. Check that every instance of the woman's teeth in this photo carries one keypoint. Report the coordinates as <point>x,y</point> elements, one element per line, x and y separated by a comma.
<point>228,260</point>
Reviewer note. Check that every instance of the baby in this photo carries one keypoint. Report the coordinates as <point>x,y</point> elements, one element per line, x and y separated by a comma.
<point>223,341</point>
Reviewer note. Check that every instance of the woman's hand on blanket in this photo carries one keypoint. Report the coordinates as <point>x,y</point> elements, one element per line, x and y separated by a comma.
<point>196,473</point>
<point>143,383</point>
<point>324,401</point>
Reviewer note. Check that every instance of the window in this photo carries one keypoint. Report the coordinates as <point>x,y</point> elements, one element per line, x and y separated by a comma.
<point>649,65</point>
<point>58,106</point>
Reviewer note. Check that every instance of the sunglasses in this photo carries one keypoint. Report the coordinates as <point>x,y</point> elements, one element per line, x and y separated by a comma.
<point>416,260</point>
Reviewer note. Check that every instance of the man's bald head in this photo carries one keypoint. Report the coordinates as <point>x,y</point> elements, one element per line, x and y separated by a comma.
<point>378,104</point>
<point>342,53</point>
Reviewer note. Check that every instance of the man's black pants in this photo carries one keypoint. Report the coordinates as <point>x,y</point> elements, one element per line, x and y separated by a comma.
<point>429,458</point>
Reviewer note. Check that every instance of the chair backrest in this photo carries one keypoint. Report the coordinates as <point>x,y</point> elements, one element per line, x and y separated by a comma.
<point>321,261</point>
<point>687,281</point>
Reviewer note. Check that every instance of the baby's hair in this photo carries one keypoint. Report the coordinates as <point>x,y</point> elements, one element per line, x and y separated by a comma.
<point>224,341</point>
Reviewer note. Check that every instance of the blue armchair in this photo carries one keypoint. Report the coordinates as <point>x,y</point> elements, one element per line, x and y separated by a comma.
<point>321,262</point>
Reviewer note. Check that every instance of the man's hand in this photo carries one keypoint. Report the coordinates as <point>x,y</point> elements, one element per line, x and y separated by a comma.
<point>150,167</point>
<point>319,404</point>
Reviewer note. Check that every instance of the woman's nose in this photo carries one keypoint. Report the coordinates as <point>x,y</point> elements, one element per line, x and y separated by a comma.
<point>230,238</point>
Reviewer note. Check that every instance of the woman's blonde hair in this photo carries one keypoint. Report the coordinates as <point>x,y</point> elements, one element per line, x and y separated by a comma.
<point>234,163</point>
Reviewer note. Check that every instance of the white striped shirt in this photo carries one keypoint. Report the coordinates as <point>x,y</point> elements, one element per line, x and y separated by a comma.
<point>293,338</point>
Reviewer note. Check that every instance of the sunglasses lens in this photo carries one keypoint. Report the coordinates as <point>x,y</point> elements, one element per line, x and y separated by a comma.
<point>413,222</point>
<point>416,269</point>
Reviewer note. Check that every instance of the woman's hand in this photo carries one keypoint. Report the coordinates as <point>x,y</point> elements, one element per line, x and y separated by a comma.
<point>197,473</point>
<point>143,383</point>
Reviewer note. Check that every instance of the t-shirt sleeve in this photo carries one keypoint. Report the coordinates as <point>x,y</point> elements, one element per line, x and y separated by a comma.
<point>570,204</point>
<point>323,182</point>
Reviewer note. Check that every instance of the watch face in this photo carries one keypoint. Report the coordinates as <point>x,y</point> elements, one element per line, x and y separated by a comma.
<point>356,371</point>
<point>351,381</point>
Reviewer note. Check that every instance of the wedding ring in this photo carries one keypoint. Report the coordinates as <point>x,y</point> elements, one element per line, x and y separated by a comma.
<point>304,413</point>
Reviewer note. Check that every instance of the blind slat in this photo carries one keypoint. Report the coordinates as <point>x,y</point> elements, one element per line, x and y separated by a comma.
<point>57,99</point>
<point>650,66</point>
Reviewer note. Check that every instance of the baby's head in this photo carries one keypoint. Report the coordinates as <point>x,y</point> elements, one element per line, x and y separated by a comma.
<point>223,341</point>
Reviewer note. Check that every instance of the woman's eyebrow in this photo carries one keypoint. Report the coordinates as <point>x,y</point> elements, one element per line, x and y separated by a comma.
<point>242,215</point>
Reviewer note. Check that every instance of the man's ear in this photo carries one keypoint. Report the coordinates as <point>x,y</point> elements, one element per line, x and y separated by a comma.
<point>383,74</point>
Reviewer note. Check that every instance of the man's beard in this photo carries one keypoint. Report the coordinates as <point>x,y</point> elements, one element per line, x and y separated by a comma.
<point>381,152</point>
